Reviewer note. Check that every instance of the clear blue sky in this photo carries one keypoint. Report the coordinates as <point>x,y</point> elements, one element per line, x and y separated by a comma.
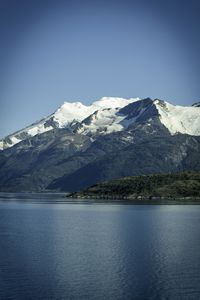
<point>56,51</point>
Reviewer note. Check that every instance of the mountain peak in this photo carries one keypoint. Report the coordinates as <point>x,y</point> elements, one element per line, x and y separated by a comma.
<point>76,103</point>
<point>179,119</point>
<point>114,114</point>
<point>113,102</point>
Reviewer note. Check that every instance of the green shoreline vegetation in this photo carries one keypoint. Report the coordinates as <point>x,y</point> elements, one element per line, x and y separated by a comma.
<point>177,187</point>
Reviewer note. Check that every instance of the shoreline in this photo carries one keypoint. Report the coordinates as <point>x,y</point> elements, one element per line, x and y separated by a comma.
<point>143,201</point>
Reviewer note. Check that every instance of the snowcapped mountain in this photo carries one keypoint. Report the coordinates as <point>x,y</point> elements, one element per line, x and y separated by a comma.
<point>80,145</point>
<point>177,119</point>
<point>111,114</point>
<point>68,114</point>
<point>183,119</point>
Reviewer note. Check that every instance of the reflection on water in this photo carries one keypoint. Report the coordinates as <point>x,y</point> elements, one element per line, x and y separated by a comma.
<point>83,251</point>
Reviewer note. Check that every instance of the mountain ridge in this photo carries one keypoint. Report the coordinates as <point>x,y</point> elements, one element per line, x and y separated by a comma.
<point>75,115</point>
<point>63,117</point>
<point>111,142</point>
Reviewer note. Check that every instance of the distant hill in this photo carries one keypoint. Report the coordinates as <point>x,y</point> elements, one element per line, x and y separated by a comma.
<point>173,186</point>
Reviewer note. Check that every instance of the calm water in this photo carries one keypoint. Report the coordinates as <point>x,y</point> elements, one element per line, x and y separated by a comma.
<point>97,251</point>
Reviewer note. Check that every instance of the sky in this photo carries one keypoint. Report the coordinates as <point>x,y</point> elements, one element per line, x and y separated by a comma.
<point>53,51</point>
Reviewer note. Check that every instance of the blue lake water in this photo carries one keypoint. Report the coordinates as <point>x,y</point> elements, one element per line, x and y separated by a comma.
<point>55,250</point>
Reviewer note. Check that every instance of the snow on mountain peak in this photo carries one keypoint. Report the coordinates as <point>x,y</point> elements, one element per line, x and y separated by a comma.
<point>64,116</point>
<point>183,119</point>
<point>177,119</point>
<point>71,111</point>
<point>108,118</point>
<point>113,102</point>
<point>102,121</point>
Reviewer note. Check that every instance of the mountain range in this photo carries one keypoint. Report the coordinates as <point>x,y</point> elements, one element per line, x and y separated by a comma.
<point>80,145</point>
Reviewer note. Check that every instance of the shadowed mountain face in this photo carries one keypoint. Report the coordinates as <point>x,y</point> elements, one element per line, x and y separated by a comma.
<point>132,139</point>
<point>153,156</point>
